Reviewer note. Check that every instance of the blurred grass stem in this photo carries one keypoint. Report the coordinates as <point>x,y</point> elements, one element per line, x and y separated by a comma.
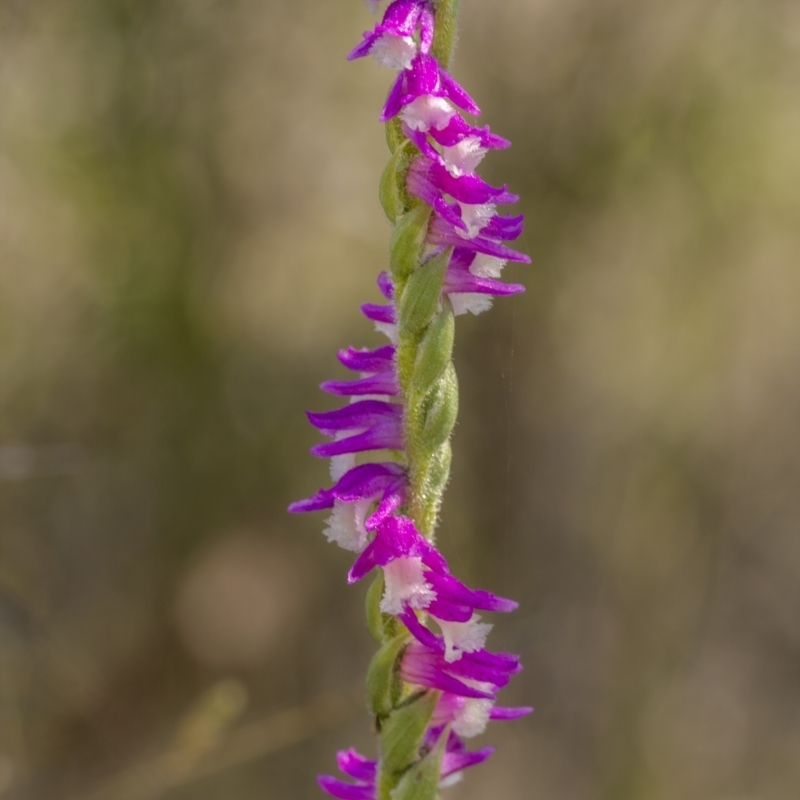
<point>186,762</point>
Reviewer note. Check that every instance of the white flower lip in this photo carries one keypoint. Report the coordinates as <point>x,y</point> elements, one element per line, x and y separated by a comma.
<point>463,637</point>
<point>470,303</point>
<point>388,329</point>
<point>477,217</point>
<point>426,112</point>
<point>394,52</point>
<point>345,526</point>
<point>472,719</point>
<point>341,464</point>
<point>487,266</point>
<point>464,157</point>
<point>405,585</point>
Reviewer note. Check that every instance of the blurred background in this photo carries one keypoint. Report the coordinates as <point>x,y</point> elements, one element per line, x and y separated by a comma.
<point>188,222</point>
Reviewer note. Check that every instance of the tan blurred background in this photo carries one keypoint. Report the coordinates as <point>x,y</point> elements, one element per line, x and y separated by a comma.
<point>188,221</point>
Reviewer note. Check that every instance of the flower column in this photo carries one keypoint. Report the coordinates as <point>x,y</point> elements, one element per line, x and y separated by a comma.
<point>432,683</point>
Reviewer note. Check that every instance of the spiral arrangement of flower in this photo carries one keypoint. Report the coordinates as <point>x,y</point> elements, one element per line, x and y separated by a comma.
<point>432,684</point>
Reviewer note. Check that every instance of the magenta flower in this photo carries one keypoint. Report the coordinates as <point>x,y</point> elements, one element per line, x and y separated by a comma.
<point>365,425</point>
<point>391,43</point>
<point>424,95</point>
<point>443,233</point>
<point>364,772</point>
<point>384,484</point>
<point>471,281</point>
<point>469,716</point>
<point>463,146</point>
<point>417,576</point>
<point>376,368</point>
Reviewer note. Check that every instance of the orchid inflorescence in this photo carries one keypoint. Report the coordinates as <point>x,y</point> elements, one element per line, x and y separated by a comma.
<point>432,683</point>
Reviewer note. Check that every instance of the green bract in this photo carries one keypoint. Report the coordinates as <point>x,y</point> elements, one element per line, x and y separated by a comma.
<point>383,683</point>
<point>372,605</point>
<point>393,194</point>
<point>420,298</point>
<point>434,352</point>
<point>403,731</point>
<point>394,134</point>
<point>408,240</point>
<point>421,781</point>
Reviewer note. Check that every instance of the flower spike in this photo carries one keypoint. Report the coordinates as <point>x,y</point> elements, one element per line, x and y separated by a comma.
<point>433,683</point>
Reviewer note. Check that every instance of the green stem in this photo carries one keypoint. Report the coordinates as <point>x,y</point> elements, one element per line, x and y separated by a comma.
<point>429,387</point>
<point>386,783</point>
<point>444,40</point>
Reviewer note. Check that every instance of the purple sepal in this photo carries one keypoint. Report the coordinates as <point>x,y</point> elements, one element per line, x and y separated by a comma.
<point>382,421</point>
<point>504,228</point>
<point>345,791</point>
<point>422,78</point>
<point>458,129</point>
<point>401,17</point>
<point>456,756</point>
<point>441,232</point>
<point>419,185</point>
<point>427,77</point>
<point>377,360</point>
<point>425,670</point>
<point>504,662</point>
<point>420,632</point>
<point>393,499</point>
<point>455,602</point>
<point>483,286</point>
<point>356,766</point>
<point>458,760</point>
<point>378,313</point>
<point>385,285</point>
<point>428,177</point>
<point>321,501</point>
<point>420,139</point>
<point>460,280</point>
<point>383,383</point>
<point>481,665</point>
<point>427,663</point>
<point>364,771</point>
<point>495,668</point>
<point>363,414</point>
<point>424,666</point>
<point>365,47</point>
<point>394,100</point>
<point>451,135</point>
<point>455,92</point>
<point>426,28</point>
<point>381,437</point>
<point>499,713</point>
<point>359,483</point>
